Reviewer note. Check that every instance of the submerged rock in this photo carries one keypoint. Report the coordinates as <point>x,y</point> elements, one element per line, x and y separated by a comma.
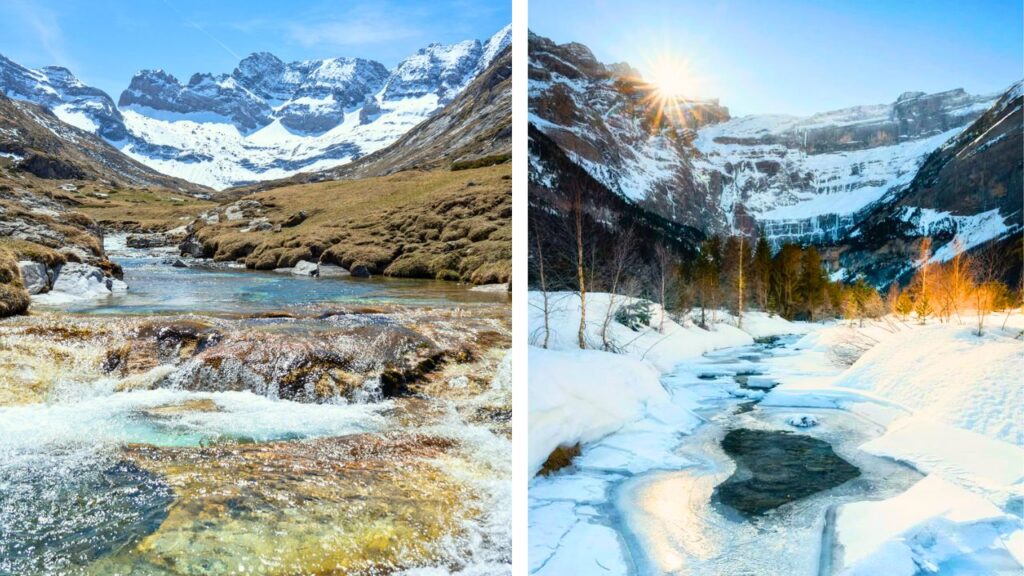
<point>48,519</point>
<point>360,504</point>
<point>776,467</point>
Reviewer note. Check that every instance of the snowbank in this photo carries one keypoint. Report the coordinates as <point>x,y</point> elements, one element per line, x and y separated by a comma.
<point>950,375</point>
<point>952,405</point>
<point>674,344</point>
<point>934,524</point>
<point>582,395</point>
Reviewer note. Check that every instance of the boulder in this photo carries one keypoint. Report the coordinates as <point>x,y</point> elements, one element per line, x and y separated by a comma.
<point>179,263</point>
<point>81,281</point>
<point>191,247</point>
<point>295,219</point>
<point>359,271</point>
<point>306,268</point>
<point>34,276</point>
<point>147,240</point>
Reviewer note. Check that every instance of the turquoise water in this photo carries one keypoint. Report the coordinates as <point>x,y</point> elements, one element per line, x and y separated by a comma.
<point>156,287</point>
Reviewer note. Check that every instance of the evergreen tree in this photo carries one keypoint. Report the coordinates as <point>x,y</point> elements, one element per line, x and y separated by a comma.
<point>761,272</point>
<point>811,287</point>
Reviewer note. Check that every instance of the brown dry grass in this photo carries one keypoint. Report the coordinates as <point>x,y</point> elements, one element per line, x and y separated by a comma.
<point>138,209</point>
<point>425,224</point>
<point>13,297</point>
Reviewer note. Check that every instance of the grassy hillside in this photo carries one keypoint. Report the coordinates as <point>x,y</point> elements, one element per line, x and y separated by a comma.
<point>453,225</point>
<point>138,210</point>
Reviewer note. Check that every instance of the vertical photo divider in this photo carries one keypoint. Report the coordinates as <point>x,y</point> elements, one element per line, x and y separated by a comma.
<point>520,304</point>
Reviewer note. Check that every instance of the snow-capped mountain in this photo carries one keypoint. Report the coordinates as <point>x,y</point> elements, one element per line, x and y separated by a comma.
<point>57,89</point>
<point>800,179</point>
<point>698,166</point>
<point>801,176</point>
<point>309,96</point>
<point>267,119</point>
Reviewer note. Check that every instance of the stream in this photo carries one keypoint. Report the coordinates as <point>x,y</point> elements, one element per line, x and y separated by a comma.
<point>151,432</point>
<point>657,488</point>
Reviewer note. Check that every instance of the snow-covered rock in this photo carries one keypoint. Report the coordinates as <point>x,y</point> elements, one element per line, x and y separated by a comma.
<point>802,421</point>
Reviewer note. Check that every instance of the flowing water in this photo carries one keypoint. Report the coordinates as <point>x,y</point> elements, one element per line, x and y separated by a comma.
<point>125,472</point>
<point>157,287</point>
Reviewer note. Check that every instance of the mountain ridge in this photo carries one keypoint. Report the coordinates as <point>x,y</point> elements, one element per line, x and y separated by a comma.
<point>266,119</point>
<point>806,179</point>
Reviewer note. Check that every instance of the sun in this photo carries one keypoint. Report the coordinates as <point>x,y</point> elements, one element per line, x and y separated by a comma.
<point>670,82</point>
<point>670,76</point>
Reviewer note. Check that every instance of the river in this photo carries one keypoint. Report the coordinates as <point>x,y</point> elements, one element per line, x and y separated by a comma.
<point>655,488</point>
<point>214,420</point>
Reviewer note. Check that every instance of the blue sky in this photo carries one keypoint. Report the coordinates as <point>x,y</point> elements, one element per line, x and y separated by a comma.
<point>104,42</point>
<point>803,56</point>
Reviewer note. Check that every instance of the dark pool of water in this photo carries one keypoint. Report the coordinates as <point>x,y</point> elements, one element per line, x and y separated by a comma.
<point>777,467</point>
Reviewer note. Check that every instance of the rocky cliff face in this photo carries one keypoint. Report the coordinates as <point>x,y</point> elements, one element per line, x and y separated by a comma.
<point>600,115</point>
<point>308,96</point>
<point>968,190</point>
<point>800,179</point>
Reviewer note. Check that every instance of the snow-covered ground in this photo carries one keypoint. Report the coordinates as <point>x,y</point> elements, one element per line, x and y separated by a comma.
<point>953,407</point>
<point>580,395</point>
<point>936,398</point>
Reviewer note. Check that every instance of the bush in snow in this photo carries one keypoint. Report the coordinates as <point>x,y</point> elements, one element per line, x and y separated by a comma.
<point>636,315</point>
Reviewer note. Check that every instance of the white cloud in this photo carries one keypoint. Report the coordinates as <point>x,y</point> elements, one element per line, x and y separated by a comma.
<point>43,22</point>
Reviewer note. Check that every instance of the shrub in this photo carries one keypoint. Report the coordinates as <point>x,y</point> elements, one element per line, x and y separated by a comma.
<point>635,315</point>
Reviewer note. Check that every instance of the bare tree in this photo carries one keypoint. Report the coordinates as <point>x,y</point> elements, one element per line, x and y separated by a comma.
<point>577,209</point>
<point>543,283</point>
<point>958,278</point>
<point>922,304</point>
<point>621,284</point>
<point>664,276</point>
<point>985,271</point>
<point>741,287</point>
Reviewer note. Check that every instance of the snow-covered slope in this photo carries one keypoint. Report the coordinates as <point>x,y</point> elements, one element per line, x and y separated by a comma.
<point>267,119</point>
<point>788,172</point>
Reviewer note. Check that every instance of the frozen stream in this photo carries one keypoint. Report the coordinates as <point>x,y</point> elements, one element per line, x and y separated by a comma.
<point>643,497</point>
